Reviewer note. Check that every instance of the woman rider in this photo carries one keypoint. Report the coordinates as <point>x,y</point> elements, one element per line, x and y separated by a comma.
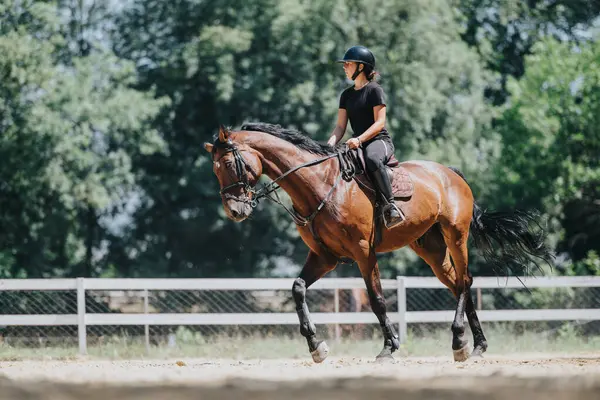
<point>364,105</point>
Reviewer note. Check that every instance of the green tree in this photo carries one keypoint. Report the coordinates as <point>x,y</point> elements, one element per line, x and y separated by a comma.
<point>504,32</point>
<point>28,35</point>
<point>72,124</point>
<point>104,108</point>
<point>550,158</point>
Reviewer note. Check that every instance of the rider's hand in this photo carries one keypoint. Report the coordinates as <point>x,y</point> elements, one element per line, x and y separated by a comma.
<point>353,143</point>
<point>331,141</point>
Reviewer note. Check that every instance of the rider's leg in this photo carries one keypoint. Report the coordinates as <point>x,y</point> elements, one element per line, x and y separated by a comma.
<point>376,153</point>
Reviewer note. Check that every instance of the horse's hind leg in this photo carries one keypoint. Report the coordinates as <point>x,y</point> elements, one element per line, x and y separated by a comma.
<point>369,270</point>
<point>314,268</point>
<point>433,250</point>
<point>455,236</point>
<point>479,340</point>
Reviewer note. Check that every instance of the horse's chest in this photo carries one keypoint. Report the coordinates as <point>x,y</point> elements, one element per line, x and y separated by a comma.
<point>327,235</point>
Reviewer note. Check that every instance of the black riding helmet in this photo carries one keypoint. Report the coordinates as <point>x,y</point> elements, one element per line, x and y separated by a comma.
<point>359,54</point>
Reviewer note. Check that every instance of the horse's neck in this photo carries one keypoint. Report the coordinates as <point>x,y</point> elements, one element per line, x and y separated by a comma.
<point>307,186</point>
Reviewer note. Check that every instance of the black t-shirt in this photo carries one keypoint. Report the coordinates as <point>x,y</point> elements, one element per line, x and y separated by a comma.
<point>359,106</point>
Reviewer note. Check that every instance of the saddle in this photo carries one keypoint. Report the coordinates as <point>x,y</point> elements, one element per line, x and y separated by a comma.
<point>354,167</point>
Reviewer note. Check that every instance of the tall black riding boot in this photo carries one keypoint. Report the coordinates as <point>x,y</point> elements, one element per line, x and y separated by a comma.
<point>392,215</point>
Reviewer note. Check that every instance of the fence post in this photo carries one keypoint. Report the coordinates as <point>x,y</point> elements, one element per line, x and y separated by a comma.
<point>401,298</point>
<point>146,327</point>
<point>336,301</point>
<point>81,329</point>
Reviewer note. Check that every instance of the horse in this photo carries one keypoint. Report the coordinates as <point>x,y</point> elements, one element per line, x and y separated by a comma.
<point>337,220</point>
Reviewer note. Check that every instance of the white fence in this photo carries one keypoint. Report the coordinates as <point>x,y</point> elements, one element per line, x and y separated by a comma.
<point>401,284</point>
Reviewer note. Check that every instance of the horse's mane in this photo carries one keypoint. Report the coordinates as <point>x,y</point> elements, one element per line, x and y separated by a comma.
<point>292,136</point>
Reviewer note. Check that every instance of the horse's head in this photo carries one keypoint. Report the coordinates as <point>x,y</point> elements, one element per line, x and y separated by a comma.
<point>238,168</point>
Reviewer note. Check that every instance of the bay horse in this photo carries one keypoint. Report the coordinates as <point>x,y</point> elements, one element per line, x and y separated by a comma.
<point>336,220</point>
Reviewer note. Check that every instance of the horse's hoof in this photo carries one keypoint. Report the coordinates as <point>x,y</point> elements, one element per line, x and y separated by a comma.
<point>320,354</point>
<point>462,354</point>
<point>395,343</point>
<point>477,352</point>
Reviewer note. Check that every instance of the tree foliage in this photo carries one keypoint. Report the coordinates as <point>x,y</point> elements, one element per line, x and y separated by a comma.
<point>551,157</point>
<point>71,127</point>
<point>104,108</point>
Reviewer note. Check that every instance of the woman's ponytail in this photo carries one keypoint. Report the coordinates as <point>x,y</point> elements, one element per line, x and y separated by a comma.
<point>370,73</point>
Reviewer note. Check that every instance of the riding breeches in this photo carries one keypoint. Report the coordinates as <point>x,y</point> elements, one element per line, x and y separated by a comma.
<point>377,152</point>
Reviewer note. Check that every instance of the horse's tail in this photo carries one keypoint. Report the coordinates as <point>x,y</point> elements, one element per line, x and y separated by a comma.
<point>507,239</point>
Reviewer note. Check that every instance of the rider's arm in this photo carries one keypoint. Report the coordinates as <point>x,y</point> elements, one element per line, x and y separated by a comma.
<point>340,127</point>
<point>379,116</point>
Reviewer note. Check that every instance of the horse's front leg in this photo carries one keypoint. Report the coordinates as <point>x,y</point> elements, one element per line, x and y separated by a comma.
<point>370,271</point>
<point>314,268</point>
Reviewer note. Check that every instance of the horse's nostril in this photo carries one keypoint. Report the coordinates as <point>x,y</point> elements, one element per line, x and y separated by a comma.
<point>235,213</point>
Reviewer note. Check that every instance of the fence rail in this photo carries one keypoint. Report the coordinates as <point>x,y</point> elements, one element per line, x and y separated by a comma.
<point>402,317</point>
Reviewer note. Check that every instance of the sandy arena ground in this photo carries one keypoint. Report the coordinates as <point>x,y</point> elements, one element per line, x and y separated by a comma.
<point>508,377</point>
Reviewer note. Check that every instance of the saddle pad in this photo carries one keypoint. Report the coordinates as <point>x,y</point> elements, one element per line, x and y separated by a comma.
<point>402,185</point>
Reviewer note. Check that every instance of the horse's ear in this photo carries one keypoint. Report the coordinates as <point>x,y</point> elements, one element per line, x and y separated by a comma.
<point>208,147</point>
<point>223,134</point>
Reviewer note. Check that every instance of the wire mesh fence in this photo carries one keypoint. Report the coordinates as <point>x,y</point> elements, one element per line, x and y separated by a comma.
<point>273,301</point>
<point>40,303</point>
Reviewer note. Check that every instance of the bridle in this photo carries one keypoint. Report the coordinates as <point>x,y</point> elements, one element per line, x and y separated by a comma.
<point>252,196</point>
<point>241,166</point>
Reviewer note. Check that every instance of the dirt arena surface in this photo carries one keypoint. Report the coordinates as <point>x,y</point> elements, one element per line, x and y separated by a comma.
<point>508,377</point>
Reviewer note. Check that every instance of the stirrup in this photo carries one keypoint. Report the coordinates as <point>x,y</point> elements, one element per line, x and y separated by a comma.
<point>390,224</point>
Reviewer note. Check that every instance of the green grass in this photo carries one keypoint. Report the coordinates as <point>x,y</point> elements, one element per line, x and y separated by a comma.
<point>502,340</point>
<point>436,342</point>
